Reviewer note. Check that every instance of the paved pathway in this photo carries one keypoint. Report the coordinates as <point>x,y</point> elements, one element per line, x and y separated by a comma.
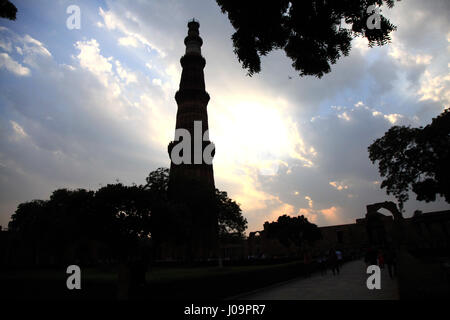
<point>350,284</point>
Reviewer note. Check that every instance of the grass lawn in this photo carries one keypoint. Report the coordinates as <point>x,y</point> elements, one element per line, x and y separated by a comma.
<point>161,282</point>
<point>173,274</point>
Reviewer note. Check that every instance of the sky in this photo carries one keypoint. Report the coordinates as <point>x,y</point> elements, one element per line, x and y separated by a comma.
<point>81,108</point>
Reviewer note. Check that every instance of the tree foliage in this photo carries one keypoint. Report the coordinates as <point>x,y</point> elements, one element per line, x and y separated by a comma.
<point>230,216</point>
<point>117,215</point>
<point>292,231</point>
<point>124,213</point>
<point>7,10</point>
<point>158,181</point>
<point>313,34</point>
<point>415,159</point>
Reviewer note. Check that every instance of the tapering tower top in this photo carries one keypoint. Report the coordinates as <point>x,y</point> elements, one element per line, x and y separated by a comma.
<point>193,41</point>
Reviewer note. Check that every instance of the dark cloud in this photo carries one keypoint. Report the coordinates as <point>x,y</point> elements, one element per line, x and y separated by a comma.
<point>342,160</point>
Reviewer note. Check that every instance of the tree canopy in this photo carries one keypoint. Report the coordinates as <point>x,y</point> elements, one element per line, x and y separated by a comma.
<point>415,159</point>
<point>230,218</point>
<point>117,215</point>
<point>292,231</point>
<point>314,34</point>
<point>7,10</point>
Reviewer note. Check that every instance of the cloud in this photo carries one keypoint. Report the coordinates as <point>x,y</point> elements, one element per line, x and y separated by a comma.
<point>127,76</point>
<point>338,185</point>
<point>13,66</point>
<point>126,26</point>
<point>31,51</point>
<point>128,42</point>
<point>34,46</point>
<point>157,82</point>
<point>331,215</point>
<point>90,58</point>
<point>435,88</point>
<point>342,181</point>
<point>5,45</point>
<point>393,118</point>
<point>20,132</point>
<point>399,53</point>
<point>74,130</point>
<point>99,105</point>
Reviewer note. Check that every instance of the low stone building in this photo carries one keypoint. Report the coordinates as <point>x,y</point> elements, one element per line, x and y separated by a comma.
<point>429,233</point>
<point>425,233</point>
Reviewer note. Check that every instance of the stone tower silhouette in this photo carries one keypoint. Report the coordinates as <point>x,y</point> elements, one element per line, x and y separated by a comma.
<point>192,182</point>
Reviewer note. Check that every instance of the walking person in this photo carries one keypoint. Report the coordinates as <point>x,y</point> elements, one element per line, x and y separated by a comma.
<point>322,262</point>
<point>380,259</point>
<point>307,259</point>
<point>367,257</point>
<point>371,257</point>
<point>333,261</point>
<point>339,258</point>
<point>390,261</point>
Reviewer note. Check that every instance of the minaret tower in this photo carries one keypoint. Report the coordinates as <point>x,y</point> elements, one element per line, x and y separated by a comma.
<point>192,182</point>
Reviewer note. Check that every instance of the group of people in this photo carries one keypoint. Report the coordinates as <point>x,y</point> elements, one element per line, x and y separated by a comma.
<point>381,257</point>
<point>332,259</point>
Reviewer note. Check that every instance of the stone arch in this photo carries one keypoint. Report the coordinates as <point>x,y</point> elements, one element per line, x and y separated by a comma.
<point>388,205</point>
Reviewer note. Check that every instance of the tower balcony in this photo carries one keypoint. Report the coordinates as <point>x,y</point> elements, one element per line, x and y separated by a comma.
<point>200,96</point>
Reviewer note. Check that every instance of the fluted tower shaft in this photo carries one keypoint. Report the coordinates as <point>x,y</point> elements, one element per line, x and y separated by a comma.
<point>192,180</point>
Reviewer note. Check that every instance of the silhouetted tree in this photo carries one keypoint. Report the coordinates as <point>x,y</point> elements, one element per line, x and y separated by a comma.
<point>415,159</point>
<point>158,182</point>
<point>119,216</point>
<point>173,220</point>
<point>292,231</point>
<point>230,219</point>
<point>70,213</point>
<point>29,217</point>
<point>125,213</point>
<point>7,10</point>
<point>229,215</point>
<point>30,224</point>
<point>52,226</point>
<point>116,215</point>
<point>314,34</point>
